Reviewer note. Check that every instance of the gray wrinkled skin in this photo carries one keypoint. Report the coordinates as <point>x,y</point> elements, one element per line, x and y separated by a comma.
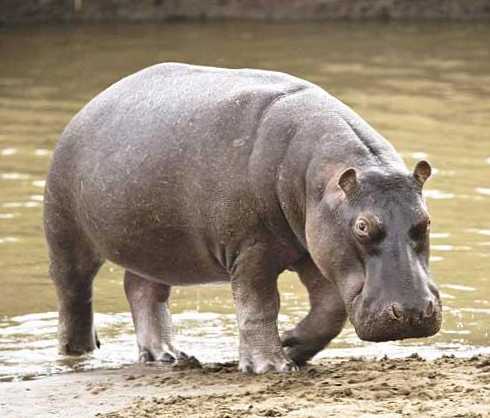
<point>186,175</point>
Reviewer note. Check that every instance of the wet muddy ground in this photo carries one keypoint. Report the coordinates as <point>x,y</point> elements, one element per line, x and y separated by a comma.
<point>411,387</point>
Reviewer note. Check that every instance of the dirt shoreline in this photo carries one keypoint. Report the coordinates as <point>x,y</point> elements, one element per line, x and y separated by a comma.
<point>412,387</point>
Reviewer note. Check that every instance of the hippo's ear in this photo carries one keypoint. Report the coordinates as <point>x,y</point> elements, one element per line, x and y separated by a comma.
<point>422,172</point>
<point>348,181</point>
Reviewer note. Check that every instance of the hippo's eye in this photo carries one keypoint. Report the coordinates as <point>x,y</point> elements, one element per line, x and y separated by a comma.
<point>368,229</point>
<point>361,228</point>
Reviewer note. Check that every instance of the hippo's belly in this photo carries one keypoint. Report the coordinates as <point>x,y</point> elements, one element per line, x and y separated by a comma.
<point>169,255</point>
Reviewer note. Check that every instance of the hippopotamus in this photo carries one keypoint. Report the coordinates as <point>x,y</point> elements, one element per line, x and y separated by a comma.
<point>185,175</point>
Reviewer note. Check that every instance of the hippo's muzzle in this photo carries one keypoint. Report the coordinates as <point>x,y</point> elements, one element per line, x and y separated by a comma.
<point>377,320</point>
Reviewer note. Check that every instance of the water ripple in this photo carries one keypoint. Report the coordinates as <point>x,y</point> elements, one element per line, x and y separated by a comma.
<point>483,190</point>
<point>438,194</point>
<point>8,151</point>
<point>14,176</point>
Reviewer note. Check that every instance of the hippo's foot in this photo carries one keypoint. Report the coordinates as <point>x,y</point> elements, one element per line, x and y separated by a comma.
<point>77,347</point>
<point>174,357</point>
<point>261,363</point>
<point>147,355</point>
<point>300,350</point>
<point>76,339</point>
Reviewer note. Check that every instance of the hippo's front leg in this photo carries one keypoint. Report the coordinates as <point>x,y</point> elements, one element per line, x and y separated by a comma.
<point>254,286</point>
<point>325,320</point>
<point>152,320</point>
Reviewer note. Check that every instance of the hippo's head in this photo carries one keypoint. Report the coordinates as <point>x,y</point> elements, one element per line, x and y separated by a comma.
<point>369,231</point>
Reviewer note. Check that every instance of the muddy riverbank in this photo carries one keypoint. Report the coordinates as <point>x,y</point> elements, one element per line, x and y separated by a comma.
<point>411,387</point>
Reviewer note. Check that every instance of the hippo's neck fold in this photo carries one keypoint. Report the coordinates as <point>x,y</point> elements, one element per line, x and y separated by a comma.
<point>328,143</point>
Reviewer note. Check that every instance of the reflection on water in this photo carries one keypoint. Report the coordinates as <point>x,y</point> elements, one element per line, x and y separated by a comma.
<point>425,87</point>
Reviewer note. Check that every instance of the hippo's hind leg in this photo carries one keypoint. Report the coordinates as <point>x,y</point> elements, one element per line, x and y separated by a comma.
<point>254,287</point>
<point>73,266</point>
<point>152,320</point>
<point>325,320</point>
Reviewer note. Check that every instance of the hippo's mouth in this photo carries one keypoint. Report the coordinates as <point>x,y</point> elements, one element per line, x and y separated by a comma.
<point>392,330</point>
<point>382,325</point>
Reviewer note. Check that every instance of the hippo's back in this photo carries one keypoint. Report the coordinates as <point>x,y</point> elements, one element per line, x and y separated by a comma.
<point>180,97</point>
<point>175,110</point>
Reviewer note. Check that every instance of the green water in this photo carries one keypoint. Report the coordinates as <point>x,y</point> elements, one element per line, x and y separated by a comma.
<point>425,87</point>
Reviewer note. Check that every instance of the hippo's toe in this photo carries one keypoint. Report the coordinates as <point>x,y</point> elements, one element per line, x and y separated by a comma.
<point>148,356</point>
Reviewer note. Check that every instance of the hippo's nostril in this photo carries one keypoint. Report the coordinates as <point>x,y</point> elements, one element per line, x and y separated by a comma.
<point>429,309</point>
<point>396,312</point>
